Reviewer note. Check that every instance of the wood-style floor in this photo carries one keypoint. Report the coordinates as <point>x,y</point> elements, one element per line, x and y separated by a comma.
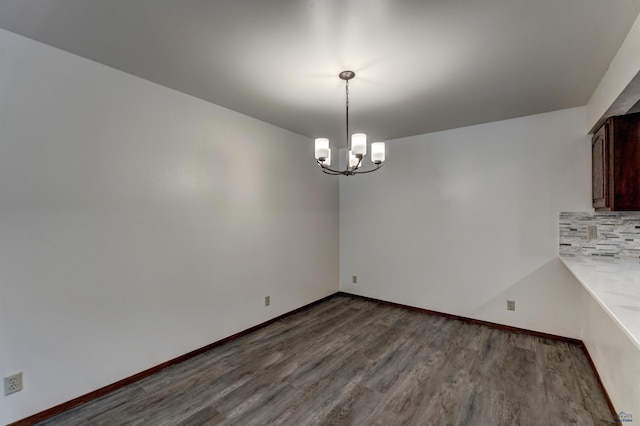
<point>349,361</point>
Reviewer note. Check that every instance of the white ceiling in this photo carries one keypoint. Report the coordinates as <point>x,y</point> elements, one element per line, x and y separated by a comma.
<point>421,66</point>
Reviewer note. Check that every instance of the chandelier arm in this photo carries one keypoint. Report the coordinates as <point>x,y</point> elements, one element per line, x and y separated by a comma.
<point>326,169</point>
<point>378,166</point>
<point>331,173</point>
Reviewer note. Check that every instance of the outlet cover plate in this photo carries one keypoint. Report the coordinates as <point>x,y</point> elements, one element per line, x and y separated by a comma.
<point>511,305</point>
<point>13,384</point>
<point>267,300</point>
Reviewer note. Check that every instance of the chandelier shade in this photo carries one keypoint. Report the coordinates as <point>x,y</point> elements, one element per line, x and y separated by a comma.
<point>359,143</point>
<point>377,152</point>
<point>356,149</point>
<point>354,161</point>
<point>322,148</point>
<point>327,160</point>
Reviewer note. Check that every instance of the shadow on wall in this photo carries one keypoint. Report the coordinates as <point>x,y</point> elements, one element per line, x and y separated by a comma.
<point>547,300</point>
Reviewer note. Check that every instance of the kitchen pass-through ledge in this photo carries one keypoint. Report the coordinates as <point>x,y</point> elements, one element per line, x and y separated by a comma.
<point>615,284</point>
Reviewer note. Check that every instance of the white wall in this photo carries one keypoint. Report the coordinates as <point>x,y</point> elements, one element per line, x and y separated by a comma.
<point>138,223</point>
<point>616,358</point>
<point>459,221</point>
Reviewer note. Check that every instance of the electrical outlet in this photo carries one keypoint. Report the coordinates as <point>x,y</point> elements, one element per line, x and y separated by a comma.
<point>267,300</point>
<point>354,279</point>
<point>13,384</point>
<point>511,305</point>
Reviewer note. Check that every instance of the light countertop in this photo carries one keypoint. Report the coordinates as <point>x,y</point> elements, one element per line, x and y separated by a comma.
<point>615,284</point>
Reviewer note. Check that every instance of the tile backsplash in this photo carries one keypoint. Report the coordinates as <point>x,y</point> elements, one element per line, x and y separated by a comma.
<point>600,234</point>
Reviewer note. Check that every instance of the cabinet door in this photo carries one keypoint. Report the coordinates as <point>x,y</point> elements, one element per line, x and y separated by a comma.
<point>624,135</point>
<point>600,168</point>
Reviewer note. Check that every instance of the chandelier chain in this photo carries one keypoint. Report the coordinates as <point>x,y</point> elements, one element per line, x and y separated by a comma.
<point>346,89</point>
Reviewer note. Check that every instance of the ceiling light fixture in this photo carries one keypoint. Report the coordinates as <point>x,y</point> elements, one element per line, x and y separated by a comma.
<point>356,150</point>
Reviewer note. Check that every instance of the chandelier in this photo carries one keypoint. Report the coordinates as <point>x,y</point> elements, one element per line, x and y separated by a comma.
<point>355,151</point>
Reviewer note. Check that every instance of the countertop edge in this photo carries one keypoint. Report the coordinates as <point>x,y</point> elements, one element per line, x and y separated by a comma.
<point>582,281</point>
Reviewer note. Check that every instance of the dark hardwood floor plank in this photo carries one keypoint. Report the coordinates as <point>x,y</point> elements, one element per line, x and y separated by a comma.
<point>398,407</point>
<point>525,394</point>
<point>105,405</point>
<point>256,388</point>
<point>354,408</point>
<point>321,396</point>
<point>590,387</point>
<point>261,408</point>
<point>452,386</point>
<point>564,401</point>
<point>445,402</point>
<point>184,374</point>
<point>290,336</point>
<point>183,398</point>
<point>334,333</point>
<point>485,403</point>
<point>400,357</point>
<point>208,416</point>
<point>351,361</point>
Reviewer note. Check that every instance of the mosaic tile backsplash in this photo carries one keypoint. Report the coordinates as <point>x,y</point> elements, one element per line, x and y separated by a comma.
<point>614,235</point>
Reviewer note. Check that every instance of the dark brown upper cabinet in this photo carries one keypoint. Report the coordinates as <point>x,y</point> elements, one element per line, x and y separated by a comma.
<point>615,150</point>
